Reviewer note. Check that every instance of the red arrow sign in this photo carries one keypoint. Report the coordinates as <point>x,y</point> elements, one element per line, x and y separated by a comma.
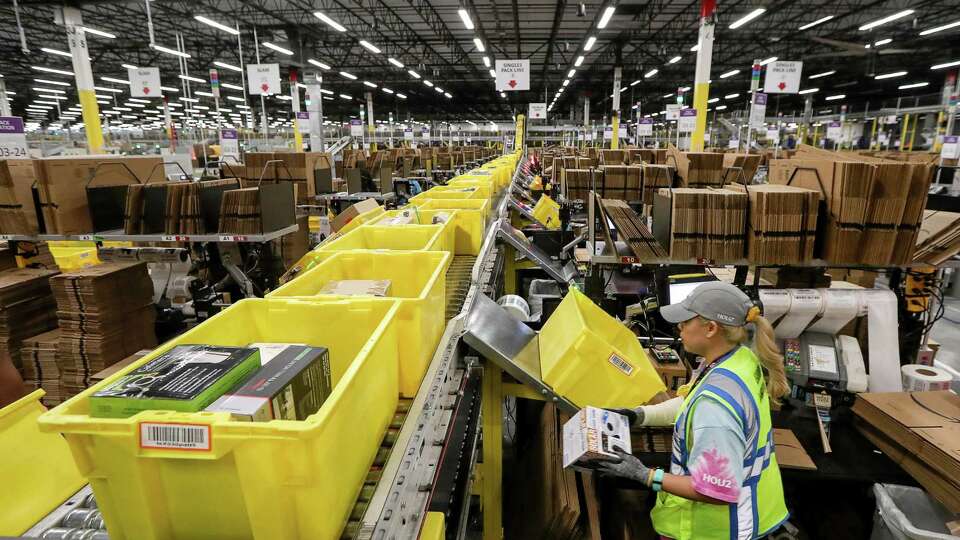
<point>146,90</point>
<point>512,83</point>
<point>264,87</point>
<point>782,85</point>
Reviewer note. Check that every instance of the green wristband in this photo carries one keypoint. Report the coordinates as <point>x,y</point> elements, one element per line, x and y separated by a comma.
<point>658,480</point>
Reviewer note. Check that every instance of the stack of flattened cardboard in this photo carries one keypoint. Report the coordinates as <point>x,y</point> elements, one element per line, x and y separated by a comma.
<point>696,169</point>
<point>740,167</point>
<point>846,187</point>
<point>701,223</point>
<point>783,223</point>
<point>578,182</point>
<point>921,432</point>
<point>39,357</point>
<point>27,308</point>
<point>622,182</point>
<point>18,213</point>
<point>62,185</point>
<point>939,237</point>
<point>632,230</point>
<point>613,157</point>
<point>105,313</point>
<point>654,178</point>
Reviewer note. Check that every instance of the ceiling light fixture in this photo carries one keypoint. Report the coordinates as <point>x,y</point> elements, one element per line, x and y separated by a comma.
<point>913,85</point>
<point>333,24</point>
<point>605,18</point>
<point>936,29</point>
<point>395,62</point>
<point>651,73</point>
<point>636,82</point>
<point>729,74</point>
<point>215,24</point>
<point>486,61</point>
<point>882,42</point>
<point>493,73</point>
<point>51,70</point>
<point>893,75</point>
<point>428,83</point>
<point>101,33</point>
<point>113,80</point>
<point>184,77</point>
<point>350,76</point>
<point>370,46</point>
<point>948,64</point>
<point>816,22</point>
<point>479,44</point>
<point>675,59</point>
<point>589,44</point>
<point>766,61</point>
<point>169,51</point>
<point>731,96</point>
<point>57,83</point>
<point>836,97</point>
<point>824,74</point>
<point>171,89</point>
<point>56,51</point>
<point>747,18</point>
<point>809,91</point>
<point>277,48</point>
<point>465,17</point>
<point>370,84</point>
<point>402,96</point>
<point>225,65</point>
<point>579,61</point>
<point>885,20</point>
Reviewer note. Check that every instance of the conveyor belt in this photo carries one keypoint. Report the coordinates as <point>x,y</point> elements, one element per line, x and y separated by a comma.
<point>458,283</point>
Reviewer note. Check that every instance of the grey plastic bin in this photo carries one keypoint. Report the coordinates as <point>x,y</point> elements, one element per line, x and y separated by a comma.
<point>908,513</point>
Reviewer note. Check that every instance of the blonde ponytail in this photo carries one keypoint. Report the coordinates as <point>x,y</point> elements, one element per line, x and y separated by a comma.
<point>765,347</point>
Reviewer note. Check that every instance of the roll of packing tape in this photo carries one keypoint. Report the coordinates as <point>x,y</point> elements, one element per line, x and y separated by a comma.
<point>516,306</point>
<point>918,378</point>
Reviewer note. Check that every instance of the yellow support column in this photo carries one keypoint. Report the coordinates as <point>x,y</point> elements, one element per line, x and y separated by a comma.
<point>492,491</point>
<point>873,134</point>
<point>913,133</point>
<point>938,134</point>
<point>701,87</point>
<point>521,136</point>
<point>903,132</point>
<point>73,21</point>
<point>615,137</point>
<point>816,132</point>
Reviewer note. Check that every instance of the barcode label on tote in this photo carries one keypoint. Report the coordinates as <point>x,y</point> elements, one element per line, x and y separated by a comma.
<point>174,436</point>
<point>621,364</point>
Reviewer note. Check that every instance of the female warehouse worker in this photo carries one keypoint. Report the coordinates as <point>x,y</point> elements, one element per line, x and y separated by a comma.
<point>724,482</point>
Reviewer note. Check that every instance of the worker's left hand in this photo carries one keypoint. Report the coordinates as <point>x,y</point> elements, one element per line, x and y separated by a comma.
<point>629,467</point>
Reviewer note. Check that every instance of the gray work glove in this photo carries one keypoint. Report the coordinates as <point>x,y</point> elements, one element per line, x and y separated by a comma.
<point>634,416</point>
<point>628,467</point>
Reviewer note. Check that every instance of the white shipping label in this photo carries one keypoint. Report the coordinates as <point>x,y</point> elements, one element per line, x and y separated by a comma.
<point>621,364</point>
<point>171,436</point>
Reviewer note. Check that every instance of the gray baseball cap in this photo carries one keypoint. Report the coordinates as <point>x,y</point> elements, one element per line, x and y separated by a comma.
<point>714,301</point>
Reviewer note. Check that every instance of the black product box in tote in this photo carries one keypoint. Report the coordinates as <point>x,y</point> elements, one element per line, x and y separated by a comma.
<point>292,386</point>
<point>186,378</point>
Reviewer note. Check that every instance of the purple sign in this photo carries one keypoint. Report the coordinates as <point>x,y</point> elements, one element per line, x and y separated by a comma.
<point>950,139</point>
<point>228,134</point>
<point>355,122</point>
<point>646,121</point>
<point>11,125</point>
<point>761,99</point>
<point>688,112</point>
<point>303,116</point>
<point>834,124</point>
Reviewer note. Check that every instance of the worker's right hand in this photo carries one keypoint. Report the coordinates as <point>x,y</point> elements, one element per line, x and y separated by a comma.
<point>634,416</point>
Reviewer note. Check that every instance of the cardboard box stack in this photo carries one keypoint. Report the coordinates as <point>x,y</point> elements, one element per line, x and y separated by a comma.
<point>578,182</point>
<point>38,355</point>
<point>747,162</point>
<point>939,237</point>
<point>18,213</point>
<point>62,185</point>
<point>654,178</point>
<point>701,223</point>
<point>783,223</point>
<point>27,308</point>
<point>105,314</point>
<point>256,210</point>
<point>622,182</point>
<point>696,169</point>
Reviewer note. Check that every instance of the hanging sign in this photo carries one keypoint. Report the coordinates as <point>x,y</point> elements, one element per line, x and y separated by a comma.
<point>408,134</point>
<point>214,83</point>
<point>834,130</point>
<point>758,111</point>
<point>950,148</point>
<point>687,121</point>
<point>263,79</point>
<point>13,140</point>
<point>607,133</point>
<point>645,127</point>
<point>144,82</point>
<point>538,111</point>
<point>356,128</point>
<point>783,77</point>
<point>513,75</point>
<point>673,111</point>
<point>229,144</point>
<point>303,122</point>
<point>425,133</point>
<point>774,135</point>
<point>622,132</point>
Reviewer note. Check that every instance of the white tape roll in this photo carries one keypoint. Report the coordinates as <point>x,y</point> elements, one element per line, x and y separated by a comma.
<point>516,306</point>
<point>918,378</point>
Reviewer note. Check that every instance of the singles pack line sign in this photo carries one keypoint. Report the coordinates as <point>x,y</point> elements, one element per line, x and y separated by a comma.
<point>513,75</point>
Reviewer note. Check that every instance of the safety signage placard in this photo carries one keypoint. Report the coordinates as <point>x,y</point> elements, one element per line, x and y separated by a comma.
<point>538,111</point>
<point>144,82</point>
<point>356,128</point>
<point>513,75</point>
<point>758,112</point>
<point>688,120</point>
<point>645,127</point>
<point>263,79</point>
<point>783,77</point>
<point>834,130</point>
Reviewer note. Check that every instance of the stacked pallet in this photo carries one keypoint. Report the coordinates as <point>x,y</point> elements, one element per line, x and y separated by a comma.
<point>701,223</point>
<point>38,355</point>
<point>782,225</point>
<point>105,314</point>
<point>27,308</point>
